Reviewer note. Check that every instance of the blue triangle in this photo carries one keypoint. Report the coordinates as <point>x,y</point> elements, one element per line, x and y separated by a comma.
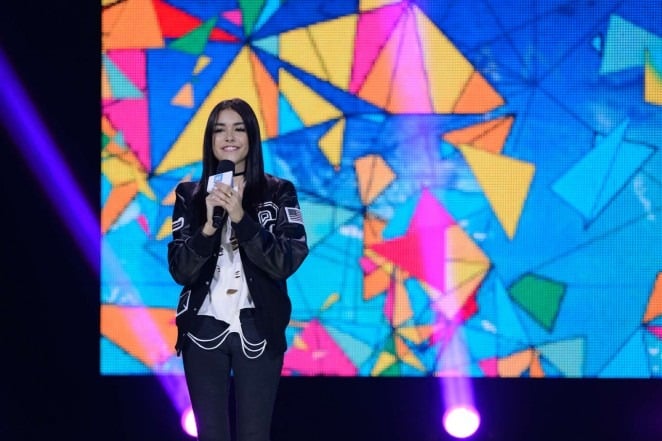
<point>120,86</point>
<point>630,361</point>
<point>625,45</point>
<point>288,120</point>
<point>269,45</point>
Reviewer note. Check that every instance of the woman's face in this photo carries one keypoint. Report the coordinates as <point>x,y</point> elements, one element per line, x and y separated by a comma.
<point>230,139</point>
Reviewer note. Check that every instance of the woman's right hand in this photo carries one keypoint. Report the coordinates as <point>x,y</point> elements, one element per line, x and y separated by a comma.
<point>211,201</point>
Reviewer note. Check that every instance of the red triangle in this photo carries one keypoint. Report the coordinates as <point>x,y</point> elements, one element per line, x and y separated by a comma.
<point>175,23</point>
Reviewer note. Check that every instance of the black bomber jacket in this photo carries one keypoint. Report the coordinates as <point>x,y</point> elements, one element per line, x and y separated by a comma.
<point>272,244</point>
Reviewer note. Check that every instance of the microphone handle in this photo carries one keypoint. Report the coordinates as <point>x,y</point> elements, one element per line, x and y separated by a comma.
<point>217,218</point>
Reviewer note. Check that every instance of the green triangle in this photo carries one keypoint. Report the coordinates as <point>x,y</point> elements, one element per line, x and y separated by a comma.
<point>250,12</point>
<point>539,297</point>
<point>194,42</point>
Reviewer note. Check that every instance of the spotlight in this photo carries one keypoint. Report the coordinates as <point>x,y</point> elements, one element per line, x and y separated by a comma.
<point>461,421</point>
<point>188,423</point>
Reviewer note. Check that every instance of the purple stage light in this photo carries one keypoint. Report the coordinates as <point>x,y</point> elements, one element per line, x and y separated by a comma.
<point>188,423</point>
<point>30,135</point>
<point>461,421</point>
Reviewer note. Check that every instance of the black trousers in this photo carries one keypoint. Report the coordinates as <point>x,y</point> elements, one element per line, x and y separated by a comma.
<point>208,376</point>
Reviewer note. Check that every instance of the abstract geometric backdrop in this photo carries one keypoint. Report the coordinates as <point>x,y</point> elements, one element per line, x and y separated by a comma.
<point>480,180</point>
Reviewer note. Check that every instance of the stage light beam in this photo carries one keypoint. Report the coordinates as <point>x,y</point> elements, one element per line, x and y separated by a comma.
<point>461,421</point>
<point>29,133</point>
<point>188,423</point>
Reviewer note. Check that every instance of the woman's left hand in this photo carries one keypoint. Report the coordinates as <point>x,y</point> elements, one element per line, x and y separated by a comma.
<point>231,200</point>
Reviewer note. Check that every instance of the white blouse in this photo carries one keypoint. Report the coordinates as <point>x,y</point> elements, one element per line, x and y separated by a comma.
<point>229,294</point>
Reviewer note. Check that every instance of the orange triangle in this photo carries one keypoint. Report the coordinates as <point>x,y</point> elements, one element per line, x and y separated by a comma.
<point>406,354</point>
<point>106,92</point>
<point>478,96</point>
<point>148,334</point>
<point>535,369</point>
<point>267,93</point>
<point>416,334</point>
<point>107,128</point>
<point>375,283</point>
<point>377,86</point>
<point>490,135</point>
<point>374,176</point>
<point>654,308</point>
<point>119,198</point>
<point>402,310</point>
<point>515,364</point>
<point>131,24</point>
<point>372,230</point>
<point>184,97</point>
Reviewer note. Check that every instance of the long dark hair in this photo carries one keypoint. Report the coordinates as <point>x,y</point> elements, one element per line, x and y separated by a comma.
<point>254,170</point>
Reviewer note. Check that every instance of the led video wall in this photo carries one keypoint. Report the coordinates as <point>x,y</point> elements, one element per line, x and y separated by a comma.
<point>480,181</point>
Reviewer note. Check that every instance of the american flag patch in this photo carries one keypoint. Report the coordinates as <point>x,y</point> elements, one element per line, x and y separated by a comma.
<point>294,215</point>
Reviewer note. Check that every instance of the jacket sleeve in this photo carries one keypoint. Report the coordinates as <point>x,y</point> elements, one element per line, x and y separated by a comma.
<point>189,249</point>
<point>276,245</point>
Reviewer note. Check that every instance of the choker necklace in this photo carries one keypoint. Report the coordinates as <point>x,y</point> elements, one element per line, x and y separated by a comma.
<point>240,174</point>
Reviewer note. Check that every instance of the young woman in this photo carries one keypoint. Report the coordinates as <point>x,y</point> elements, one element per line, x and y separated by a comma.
<point>234,306</point>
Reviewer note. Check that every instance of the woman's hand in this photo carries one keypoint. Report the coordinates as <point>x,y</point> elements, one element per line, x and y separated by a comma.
<point>224,196</point>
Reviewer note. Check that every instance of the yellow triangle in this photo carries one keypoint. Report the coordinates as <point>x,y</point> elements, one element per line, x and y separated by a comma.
<point>330,301</point>
<point>297,48</point>
<point>236,82</point>
<point>203,61</point>
<point>300,343</point>
<point>331,143</point>
<point>336,58</point>
<point>505,182</point>
<point>166,229</point>
<point>384,361</point>
<point>368,5</point>
<point>416,334</point>
<point>454,300</point>
<point>448,78</point>
<point>652,83</point>
<point>311,108</point>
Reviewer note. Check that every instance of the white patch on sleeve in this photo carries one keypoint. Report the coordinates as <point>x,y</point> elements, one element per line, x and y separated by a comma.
<point>177,224</point>
<point>184,298</point>
<point>294,215</point>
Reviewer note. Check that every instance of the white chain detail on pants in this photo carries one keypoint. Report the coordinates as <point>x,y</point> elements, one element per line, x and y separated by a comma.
<point>255,349</point>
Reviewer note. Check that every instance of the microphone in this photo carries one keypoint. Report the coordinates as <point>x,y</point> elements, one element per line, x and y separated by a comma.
<point>224,166</point>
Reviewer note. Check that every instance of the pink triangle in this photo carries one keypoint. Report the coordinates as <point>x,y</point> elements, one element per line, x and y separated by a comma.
<point>655,330</point>
<point>372,31</point>
<point>490,366</point>
<point>367,265</point>
<point>132,65</point>
<point>233,16</point>
<point>422,254</point>
<point>422,250</point>
<point>144,223</point>
<point>322,355</point>
<point>430,214</point>
<point>132,117</point>
<point>409,88</point>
